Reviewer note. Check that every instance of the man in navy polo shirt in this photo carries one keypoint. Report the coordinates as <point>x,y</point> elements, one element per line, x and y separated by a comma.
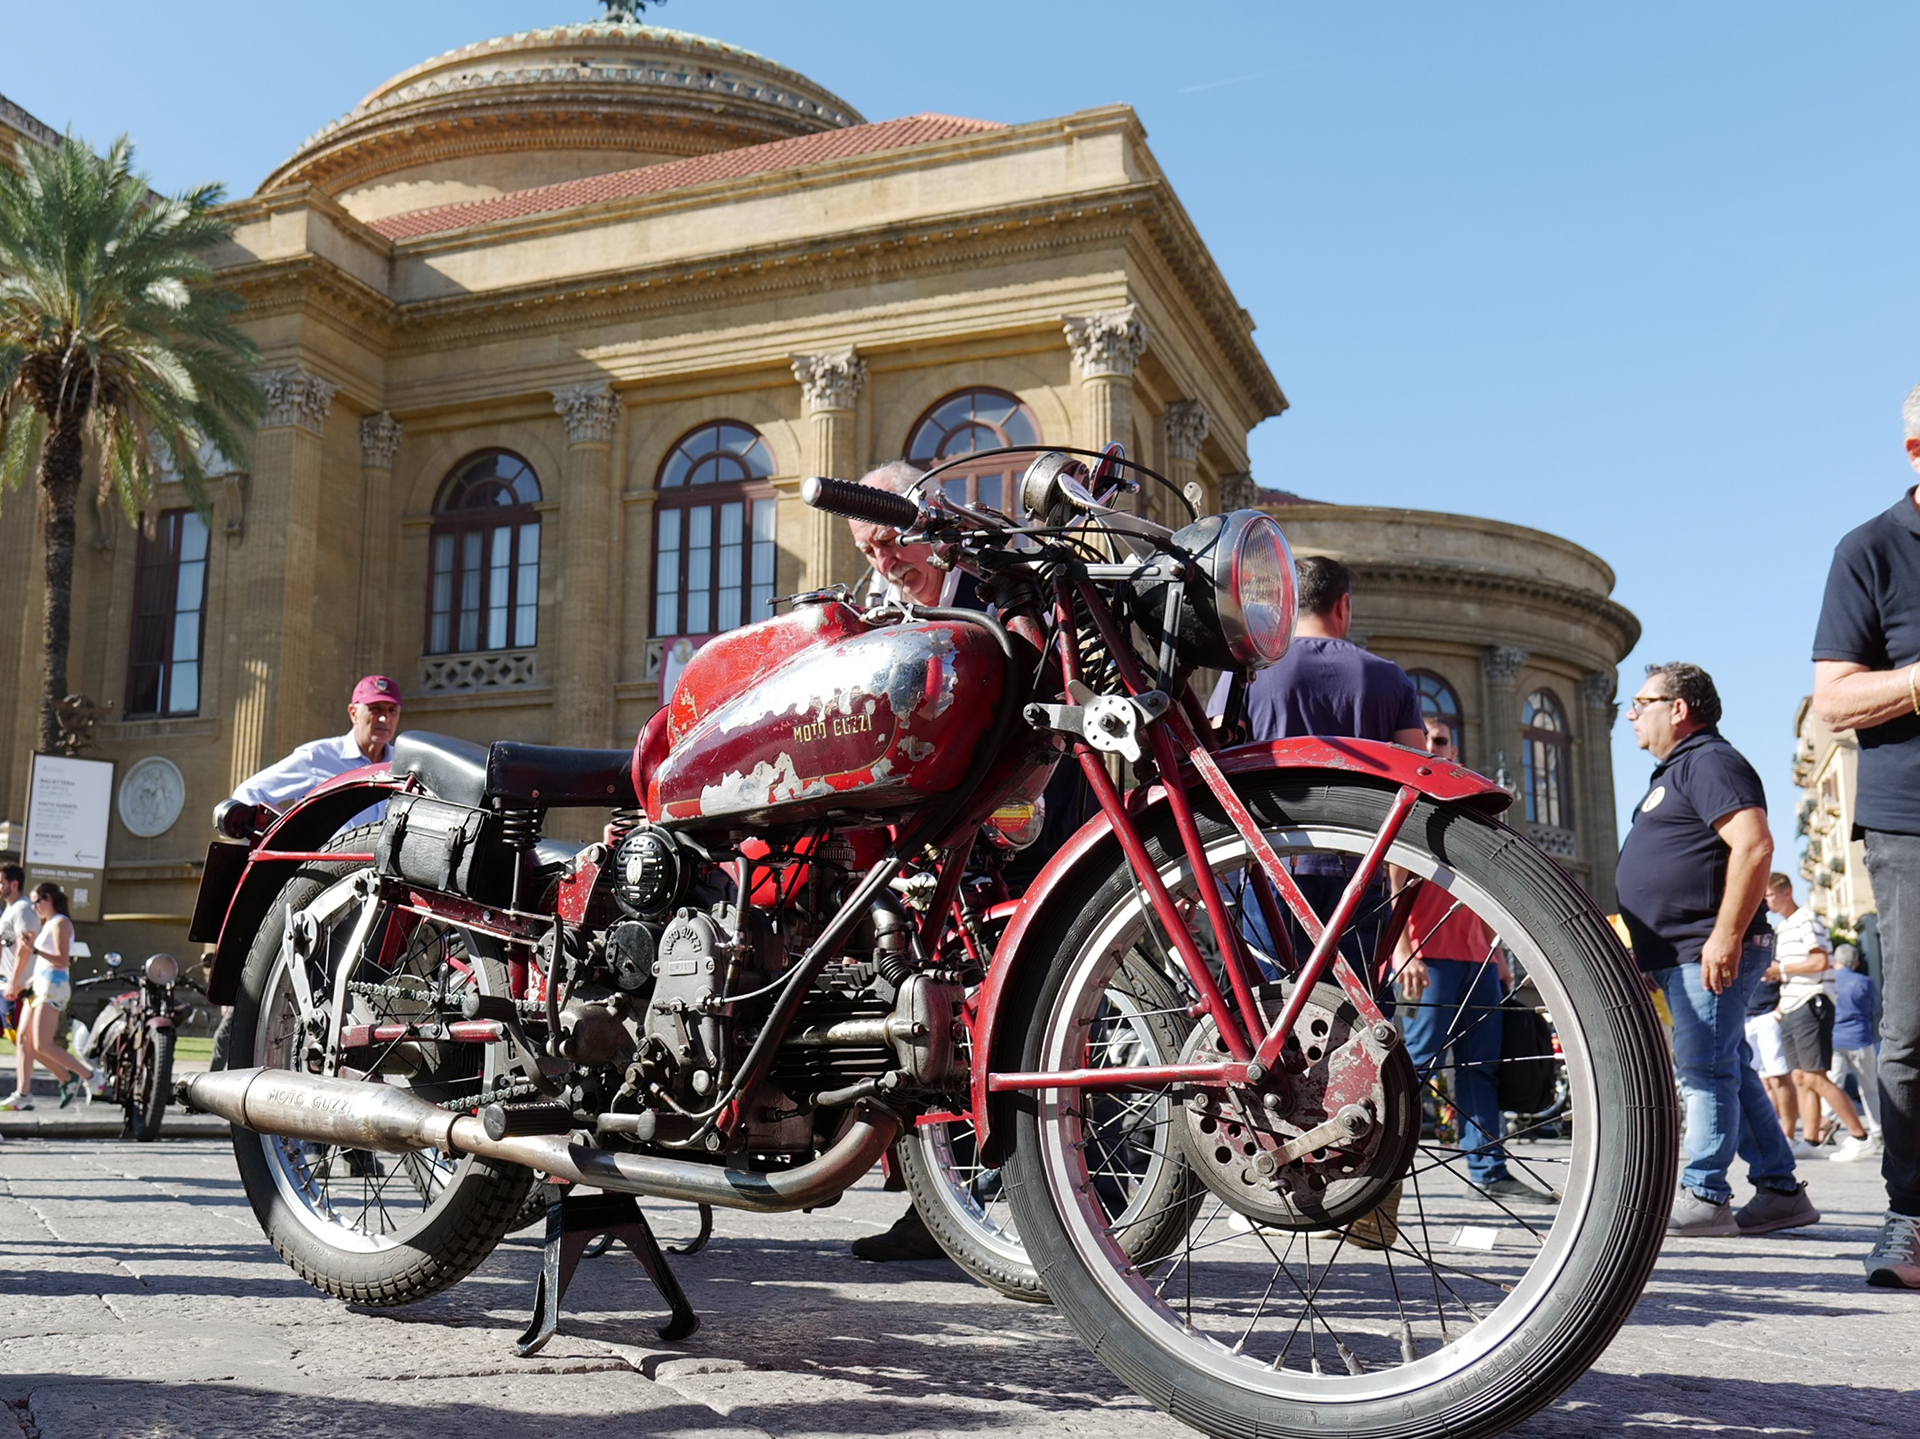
<point>1692,874</point>
<point>1866,678</point>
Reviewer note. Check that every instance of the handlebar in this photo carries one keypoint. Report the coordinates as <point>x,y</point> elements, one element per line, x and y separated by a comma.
<point>860,502</point>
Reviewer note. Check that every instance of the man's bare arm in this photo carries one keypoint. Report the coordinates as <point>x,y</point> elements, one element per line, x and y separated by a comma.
<point>1751,855</point>
<point>1850,696</point>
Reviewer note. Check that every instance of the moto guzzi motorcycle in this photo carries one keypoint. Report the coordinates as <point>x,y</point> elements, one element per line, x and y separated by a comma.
<point>1174,1066</point>
<point>132,1039</point>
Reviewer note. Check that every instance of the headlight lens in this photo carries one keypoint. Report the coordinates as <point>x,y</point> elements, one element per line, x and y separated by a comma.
<point>1258,591</point>
<point>162,970</point>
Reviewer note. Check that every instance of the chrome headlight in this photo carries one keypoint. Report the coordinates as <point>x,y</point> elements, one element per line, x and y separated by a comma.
<point>162,970</point>
<point>1244,615</point>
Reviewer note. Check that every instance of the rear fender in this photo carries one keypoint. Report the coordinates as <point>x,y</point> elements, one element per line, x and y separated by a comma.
<point>306,827</point>
<point>1094,850</point>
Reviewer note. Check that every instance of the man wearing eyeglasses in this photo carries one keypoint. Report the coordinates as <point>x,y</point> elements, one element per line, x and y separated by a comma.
<point>1692,875</point>
<point>1866,678</point>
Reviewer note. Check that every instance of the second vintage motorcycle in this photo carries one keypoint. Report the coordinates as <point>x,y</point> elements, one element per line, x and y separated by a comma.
<point>1167,1065</point>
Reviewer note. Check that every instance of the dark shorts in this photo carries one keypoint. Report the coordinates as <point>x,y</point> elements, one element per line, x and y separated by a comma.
<point>1806,1034</point>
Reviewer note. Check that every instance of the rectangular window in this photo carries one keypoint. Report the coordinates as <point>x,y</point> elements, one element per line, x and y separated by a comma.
<point>713,565</point>
<point>700,570</point>
<point>666,573</point>
<point>526,603</point>
<point>732,540</point>
<point>169,613</point>
<point>760,592</point>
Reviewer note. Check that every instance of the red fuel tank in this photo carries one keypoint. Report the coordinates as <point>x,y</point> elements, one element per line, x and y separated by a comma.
<point>861,720</point>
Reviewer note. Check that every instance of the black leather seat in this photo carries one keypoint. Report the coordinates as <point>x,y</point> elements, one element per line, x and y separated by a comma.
<point>451,769</point>
<point>554,777</point>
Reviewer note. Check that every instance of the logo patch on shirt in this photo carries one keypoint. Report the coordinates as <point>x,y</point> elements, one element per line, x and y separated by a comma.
<point>1652,801</point>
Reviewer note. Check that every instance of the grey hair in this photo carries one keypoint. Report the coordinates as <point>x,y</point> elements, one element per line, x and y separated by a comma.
<point>1910,412</point>
<point>1692,684</point>
<point>896,475</point>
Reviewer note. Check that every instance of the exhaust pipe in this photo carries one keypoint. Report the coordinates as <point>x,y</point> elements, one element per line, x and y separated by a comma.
<point>361,1114</point>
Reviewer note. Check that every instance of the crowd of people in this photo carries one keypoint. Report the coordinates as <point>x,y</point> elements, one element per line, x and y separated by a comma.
<point>1769,1023</point>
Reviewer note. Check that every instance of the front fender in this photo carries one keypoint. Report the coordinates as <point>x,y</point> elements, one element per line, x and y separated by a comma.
<point>305,827</point>
<point>1094,848</point>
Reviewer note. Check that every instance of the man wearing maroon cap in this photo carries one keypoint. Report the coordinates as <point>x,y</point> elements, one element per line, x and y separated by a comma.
<point>375,712</point>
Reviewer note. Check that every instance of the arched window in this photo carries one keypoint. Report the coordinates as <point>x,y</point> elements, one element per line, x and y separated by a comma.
<point>1437,700</point>
<point>484,587</point>
<point>975,420</point>
<point>713,545</point>
<point>1544,739</point>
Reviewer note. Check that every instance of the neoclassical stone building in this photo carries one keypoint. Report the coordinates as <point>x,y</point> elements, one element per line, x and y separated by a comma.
<point>554,326</point>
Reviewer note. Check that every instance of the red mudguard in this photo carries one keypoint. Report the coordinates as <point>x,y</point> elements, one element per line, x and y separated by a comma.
<point>307,825</point>
<point>1390,763</point>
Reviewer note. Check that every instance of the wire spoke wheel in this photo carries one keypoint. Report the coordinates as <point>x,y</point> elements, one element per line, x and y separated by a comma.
<point>377,1228</point>
<point>1422,1277</point>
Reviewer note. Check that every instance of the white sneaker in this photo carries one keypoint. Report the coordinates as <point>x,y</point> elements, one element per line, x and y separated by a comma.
<point>1895,1260</point>
<point>1865,1147</point>
<point>1803,1150</point>
<point>17,1100</point>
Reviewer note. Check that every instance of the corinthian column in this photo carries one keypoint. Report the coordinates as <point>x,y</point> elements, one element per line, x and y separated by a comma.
<point>1187,424</point>
<point>379,443</point>
<point>1106,347</point>
<point>832,384</point>
<point>1501,757</point>
<point>1601,833</point>
<point>583,649</point>
<point>268,673</point>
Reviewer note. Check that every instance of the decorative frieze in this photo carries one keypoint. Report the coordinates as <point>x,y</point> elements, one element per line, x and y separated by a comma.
<point>1187,425</point>
<point>1558,842</point>
<point>295,397</point>
<point>379,441</point>
<point>590,410</point>
<point>1502,663</point>
<point>487,670</point>
<point>831,381</point>
<point>1109,343</point>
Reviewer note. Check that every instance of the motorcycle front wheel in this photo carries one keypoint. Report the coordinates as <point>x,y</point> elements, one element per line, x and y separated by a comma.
<point>153,1084</point>
<point>1404,1287</point>
<point>378,1229</point>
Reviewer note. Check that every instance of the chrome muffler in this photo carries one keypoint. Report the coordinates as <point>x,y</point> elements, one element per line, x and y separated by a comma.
<point>361,1114</point>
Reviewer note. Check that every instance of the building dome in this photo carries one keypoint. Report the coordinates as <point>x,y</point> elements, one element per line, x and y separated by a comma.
<point>543,106</point>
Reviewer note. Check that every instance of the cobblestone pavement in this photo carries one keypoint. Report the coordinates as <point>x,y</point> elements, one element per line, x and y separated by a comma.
<point>140,1300</point>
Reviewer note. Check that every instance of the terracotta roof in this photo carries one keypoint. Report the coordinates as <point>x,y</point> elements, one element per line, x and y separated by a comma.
<point>679,174</point>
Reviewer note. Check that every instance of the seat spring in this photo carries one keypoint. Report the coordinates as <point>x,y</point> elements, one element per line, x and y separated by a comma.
<point>625,821</point>
<point>520,827</point>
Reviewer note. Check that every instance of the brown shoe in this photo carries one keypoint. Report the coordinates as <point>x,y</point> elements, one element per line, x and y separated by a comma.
<point>908,1239</point>
<point>1379,1229</point>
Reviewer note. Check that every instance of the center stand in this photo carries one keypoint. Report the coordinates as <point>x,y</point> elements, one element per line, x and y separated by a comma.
<point>573,1222</point>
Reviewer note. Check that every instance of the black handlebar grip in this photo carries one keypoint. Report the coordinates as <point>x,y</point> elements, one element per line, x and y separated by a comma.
<point>860,502</point>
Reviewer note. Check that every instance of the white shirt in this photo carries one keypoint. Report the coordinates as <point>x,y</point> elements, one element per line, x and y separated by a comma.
<point>1800,934</point>
<point>16,920</point>
<point>303,771</point>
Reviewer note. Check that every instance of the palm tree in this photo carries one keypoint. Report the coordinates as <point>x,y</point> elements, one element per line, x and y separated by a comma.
<point>111,339</point>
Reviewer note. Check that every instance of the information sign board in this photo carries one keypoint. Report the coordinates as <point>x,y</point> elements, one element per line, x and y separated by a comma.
<point>68,808</point>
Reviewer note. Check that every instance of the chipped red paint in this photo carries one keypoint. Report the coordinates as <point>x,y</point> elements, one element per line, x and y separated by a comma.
<point>868,719</point>
<point>728,666</point>
<point>576,890</point>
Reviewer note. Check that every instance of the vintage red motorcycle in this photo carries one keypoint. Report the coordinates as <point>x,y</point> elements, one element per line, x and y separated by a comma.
<point>1178,1074</point>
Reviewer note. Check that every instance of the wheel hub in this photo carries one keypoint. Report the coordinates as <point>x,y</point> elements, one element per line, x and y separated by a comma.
<point>1346,1087</point>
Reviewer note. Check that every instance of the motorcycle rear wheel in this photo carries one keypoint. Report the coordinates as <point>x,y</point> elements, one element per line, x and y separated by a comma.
<point>377,1229</point>
<point>1478,1311</point>
<point>1144,1185</point>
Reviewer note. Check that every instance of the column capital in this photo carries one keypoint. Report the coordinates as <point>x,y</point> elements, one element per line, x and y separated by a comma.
<point>295,397</point>
<point>1109,343</point>
<point>831,380</point>
<point>379,440</point>
<point>590,410</point>
<point>1187,425</point>
<point>1502,663</point>
<point>1597,686</point>
<point>1238,492</point>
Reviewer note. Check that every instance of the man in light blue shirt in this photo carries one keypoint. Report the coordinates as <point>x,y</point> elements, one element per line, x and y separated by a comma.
<point>375,713</point>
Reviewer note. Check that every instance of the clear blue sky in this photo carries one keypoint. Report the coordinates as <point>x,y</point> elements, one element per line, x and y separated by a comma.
<point>1629,272</point>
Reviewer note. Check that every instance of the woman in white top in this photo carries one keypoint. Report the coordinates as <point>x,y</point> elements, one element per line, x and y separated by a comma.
<point>51,986</point>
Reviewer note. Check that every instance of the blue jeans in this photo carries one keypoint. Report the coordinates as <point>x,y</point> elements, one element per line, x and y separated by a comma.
<point>1727,1106</point>
<point>1322,893</point>
<point>1461,1011</point>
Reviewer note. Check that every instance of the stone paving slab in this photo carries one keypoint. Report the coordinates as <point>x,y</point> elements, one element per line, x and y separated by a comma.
<point>141,1300</point>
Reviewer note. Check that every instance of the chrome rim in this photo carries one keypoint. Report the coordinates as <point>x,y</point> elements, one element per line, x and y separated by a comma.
<point>1315,1317</point>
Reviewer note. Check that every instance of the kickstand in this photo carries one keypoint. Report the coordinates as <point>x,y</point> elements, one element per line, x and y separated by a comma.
<point>573,1222</point>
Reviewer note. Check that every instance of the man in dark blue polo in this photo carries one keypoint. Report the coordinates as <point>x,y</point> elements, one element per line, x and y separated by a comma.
<point>1692,875</point>
<point>1866,678</point>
